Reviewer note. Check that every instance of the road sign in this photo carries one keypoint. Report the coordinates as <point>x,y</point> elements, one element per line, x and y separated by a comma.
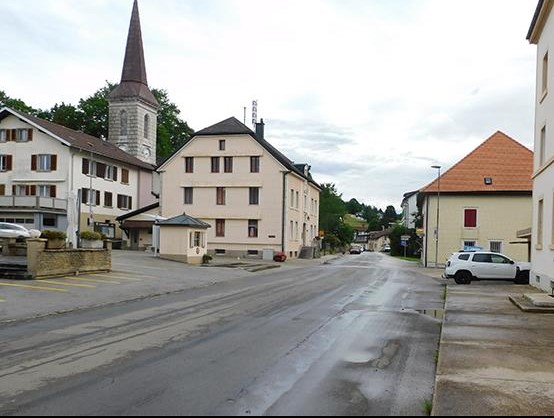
<point>404,243</point>
<point>405,237</point>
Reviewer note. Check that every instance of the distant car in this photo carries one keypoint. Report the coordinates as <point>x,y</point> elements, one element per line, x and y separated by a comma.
<point>355,249</point>
<point>14,231</point>
<point>466,266</point>
<point>387,249</point>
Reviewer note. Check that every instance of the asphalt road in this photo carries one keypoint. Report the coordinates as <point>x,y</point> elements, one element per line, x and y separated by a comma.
<point>358,336</point>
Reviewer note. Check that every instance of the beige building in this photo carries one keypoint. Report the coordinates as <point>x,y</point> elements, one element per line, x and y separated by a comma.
<point>541,33</point>
<point>183,239</point>
<point>482,201</point>
<point>253,197</point>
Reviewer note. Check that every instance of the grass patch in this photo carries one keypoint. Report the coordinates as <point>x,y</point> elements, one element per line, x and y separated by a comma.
<point>411,259</point>
<point>355,222</point>
<point>427,407</point>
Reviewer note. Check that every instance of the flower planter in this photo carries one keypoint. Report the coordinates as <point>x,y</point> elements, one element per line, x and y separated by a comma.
<point>55,244</point>
<point>92,245</point>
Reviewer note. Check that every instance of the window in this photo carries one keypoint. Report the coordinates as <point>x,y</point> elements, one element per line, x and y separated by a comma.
<point>496,247</point>
<point>468,245</point>
<point>291,229</point>
<point>124,176</point>
<point>222,145</point>
<point>123,118</point>
<point>47,191</point>
<point>253,253</point>
<point>296,231</point>
<point>108,199</point>
<point>189,165</point>
<point>220,252</point>
<point>2,190</point>
<point>482,258</point>
<point>146,125</point>
<point>542,147</point>
<point>220,196</point>
<point>291,198</point>
<point>44,163</point>
<point>3,135</point>
<point>297,200</point>
<point>88,196</point>
<point>49,220</point>
<point>215,164</point>
<point>545,74</point>
<point>254,164</point>
<point>252,228</point>
<point>470,218</point>
<point>124,202</point>
<point>197,239</point>
<point>228,164</point>
<point>89,167</point>
<point>189,196</point>
<point>540,229</point>
<point>254,195</point>
<point>6,162</point>
<point>499,259</point>
<point>220,228</point>
<point>464,257</point>
<point>22,190</point>
<point>24,135</point>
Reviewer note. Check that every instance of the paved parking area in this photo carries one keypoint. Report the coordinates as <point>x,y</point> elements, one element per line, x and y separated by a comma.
<point>135,275</point>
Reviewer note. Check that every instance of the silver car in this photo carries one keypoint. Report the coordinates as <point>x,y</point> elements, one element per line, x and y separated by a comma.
<point>16,231</point>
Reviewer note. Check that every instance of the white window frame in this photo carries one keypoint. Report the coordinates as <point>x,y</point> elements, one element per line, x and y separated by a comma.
<point>44,163</point>
<point>3,135</point>
<point>44,191</point>
<point>22,135</point>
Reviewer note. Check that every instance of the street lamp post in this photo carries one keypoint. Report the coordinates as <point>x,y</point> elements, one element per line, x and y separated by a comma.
<point>438,167</point>
<point>91,168</point>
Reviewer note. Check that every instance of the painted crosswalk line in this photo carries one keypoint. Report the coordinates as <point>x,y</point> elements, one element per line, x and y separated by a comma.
<point>99,280</point>
<point>55,282</point>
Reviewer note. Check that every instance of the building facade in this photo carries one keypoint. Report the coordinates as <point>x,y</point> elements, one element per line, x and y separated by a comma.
<point>541,34</point>
<point>482,201</point>
<point>52,177</point>
<point>253,197</point>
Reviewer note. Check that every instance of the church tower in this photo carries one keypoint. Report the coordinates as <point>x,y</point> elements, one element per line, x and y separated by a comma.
<point>133,114</point>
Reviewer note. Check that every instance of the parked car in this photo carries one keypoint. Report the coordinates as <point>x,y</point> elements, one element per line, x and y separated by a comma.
<point>355,249</point>
<point>14,231</point>
<point>280,257</point>
<point>387,248</point>
<point>466,266</point>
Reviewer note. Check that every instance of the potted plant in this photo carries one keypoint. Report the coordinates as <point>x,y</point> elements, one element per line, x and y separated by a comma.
<point>91,240</point>
<point>56,239</point>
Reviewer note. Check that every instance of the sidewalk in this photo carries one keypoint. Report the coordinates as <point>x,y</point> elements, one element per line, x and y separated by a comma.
<point>494,359</point>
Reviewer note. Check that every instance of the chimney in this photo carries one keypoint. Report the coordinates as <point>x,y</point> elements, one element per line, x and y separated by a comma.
<point>260,130</point>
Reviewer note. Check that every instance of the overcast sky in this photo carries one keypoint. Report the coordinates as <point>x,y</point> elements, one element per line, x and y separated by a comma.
<point>371,93</point>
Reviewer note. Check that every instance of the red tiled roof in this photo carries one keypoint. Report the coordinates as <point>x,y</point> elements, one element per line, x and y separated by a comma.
<point>508,163</point>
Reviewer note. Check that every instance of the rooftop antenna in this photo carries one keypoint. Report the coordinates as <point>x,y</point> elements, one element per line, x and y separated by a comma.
<point>254,113</point>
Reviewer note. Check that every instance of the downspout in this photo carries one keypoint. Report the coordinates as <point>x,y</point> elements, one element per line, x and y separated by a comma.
<point>426,230</point>
<point>283,225</point>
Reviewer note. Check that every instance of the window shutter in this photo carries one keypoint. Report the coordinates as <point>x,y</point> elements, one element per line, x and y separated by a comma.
<point>97,198</point>
<point>52,191</point>
<point>101,170</point>
<point>2,189</point>
<point>9,163</point>
<point>13,190</point>
<point>14,134</point>
<point>33,191</point>
<point>84,196</point>
<point>130,202</point>
<point>33,163</point>
<point>30,134</point>
<point>53,162</point>
<point>8,135</point>
<point>125,176</point>
<point>119,201</point>
<point>85,166</point>
<point>115,174</point>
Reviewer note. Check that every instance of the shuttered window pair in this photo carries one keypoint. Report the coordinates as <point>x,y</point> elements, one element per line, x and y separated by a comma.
<point>16,135</point>
<point>44,162</point>
<point>124,202</point>
<point>30,190</point>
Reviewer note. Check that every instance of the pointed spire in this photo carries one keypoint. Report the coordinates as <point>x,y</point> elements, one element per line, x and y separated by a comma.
<point>134,84</point>
<point>134,68</point>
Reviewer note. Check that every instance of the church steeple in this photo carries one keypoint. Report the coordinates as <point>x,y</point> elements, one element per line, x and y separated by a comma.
<point>133,107</point>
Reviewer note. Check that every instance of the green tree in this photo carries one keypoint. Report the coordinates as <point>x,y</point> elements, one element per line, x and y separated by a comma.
<point>390,217</point>
<point>354,207</point>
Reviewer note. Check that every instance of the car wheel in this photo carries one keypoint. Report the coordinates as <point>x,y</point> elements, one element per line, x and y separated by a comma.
<point>463,277</point>
<point>522,277</point>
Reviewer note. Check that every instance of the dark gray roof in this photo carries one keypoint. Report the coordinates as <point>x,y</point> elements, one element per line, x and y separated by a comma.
<point>233,126</point>
<point>535,19</point>
<point>134,83</point>
<point>80,140</point>
<point>138,212</point>
<point>185,220</point>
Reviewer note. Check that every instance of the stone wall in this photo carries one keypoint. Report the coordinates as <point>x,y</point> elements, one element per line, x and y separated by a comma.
<point>48,263</point>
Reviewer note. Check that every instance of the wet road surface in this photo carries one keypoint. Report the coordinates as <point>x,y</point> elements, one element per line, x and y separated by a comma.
<point>355,337</point>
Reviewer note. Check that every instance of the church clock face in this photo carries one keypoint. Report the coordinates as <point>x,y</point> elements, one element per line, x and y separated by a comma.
<point>146,152</point>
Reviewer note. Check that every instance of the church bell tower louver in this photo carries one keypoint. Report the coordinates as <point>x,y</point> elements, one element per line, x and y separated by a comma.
<point>133,113</point>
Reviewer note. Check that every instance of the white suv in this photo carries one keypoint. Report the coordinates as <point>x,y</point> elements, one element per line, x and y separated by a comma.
<point>464,267</point>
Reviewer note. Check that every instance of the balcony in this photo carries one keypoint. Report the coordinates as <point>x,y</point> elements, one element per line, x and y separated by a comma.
<point>33,202</point>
